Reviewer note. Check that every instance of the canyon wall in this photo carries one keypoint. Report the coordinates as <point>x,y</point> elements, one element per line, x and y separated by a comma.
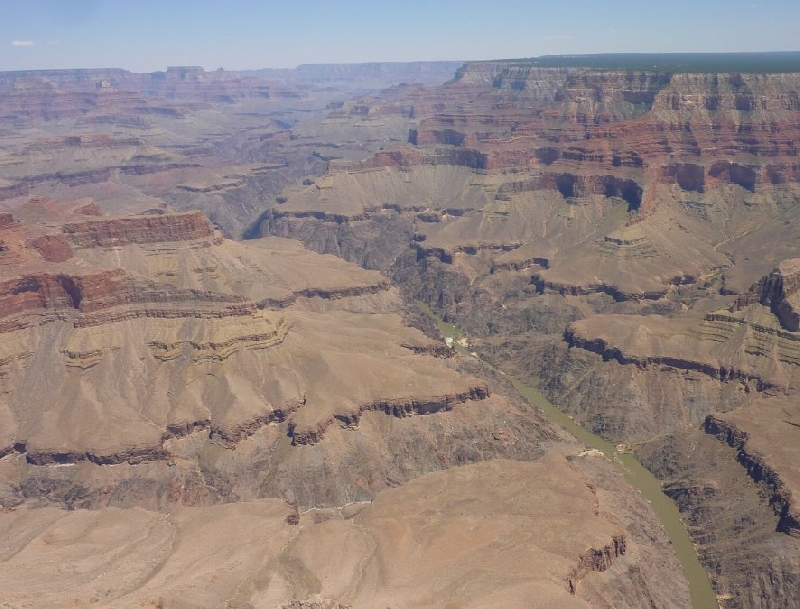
<point>623,239</point>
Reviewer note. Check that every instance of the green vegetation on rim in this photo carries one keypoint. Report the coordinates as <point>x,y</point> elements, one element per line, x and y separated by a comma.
<point>778,62</point>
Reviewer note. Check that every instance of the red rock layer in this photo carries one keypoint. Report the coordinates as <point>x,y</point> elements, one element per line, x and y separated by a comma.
<point>140,229</point>
<point>37,276</point>
<point>573,128</point>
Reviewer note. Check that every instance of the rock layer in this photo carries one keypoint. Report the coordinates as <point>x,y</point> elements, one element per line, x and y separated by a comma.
<point>157,335</point>
<point>259,555</point>
<point>596,232</point>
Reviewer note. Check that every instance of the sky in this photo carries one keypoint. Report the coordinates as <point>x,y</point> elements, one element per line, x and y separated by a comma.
<point>149,35</point>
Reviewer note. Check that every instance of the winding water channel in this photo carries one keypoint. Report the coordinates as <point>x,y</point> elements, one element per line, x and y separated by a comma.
<point>702,594</point>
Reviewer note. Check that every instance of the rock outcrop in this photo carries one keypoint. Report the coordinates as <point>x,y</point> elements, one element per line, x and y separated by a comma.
<point>595,231</point>
<point>778,291</point>
<point>491,512</point>
<point>397,407</point>
<point>597,560</point>
<point>187,226</point>
<point>762,473</point>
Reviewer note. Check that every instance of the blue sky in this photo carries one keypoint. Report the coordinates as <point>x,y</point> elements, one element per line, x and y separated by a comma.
<point>148,35</point>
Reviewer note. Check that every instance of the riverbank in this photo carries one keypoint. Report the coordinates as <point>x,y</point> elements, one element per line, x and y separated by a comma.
<point>700,589</point>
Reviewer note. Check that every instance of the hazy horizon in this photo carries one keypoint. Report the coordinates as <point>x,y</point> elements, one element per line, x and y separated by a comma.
<point>149,36</point>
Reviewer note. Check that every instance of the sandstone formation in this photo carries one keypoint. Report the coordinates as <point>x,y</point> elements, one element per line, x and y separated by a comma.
<point>190,420</point>
<point>473,535</point>
<point>624,239</point>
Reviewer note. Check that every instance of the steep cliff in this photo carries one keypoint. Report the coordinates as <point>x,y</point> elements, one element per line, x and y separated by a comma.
<point>734,528</point>
<point>160,383</point>
<point>596,231</point>
<point>623,238</point>
<point>779,292</point>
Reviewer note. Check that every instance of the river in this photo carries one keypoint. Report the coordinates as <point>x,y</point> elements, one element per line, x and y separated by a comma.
<point>702,594</point>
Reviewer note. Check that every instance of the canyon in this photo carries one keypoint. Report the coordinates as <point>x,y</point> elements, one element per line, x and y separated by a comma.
<point>167,391</point>
<point>207,323</point>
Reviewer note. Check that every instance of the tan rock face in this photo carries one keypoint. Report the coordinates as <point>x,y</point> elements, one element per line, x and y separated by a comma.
<point>595,231</point>
<point>171,381</point>
<point>778,290</point>
<point>156,350</point>
<point>194,344</point>
<point>475,536</point>
<point>150,229</point>
<point>599,233</point>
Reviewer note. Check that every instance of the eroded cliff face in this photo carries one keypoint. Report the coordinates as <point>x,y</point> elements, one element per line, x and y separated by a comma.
<point>623,240</point>
<point>222,142</point>
<point>778,291</point>
<point>752,564</point>
<point>163,387</point>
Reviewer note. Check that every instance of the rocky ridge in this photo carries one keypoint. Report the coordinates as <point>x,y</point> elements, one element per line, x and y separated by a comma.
<point>219,141</point>
<point>162,384</point>
<point>594,231</point>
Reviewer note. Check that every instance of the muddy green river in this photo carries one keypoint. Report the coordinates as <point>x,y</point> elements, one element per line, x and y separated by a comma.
<point>702,593</point>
